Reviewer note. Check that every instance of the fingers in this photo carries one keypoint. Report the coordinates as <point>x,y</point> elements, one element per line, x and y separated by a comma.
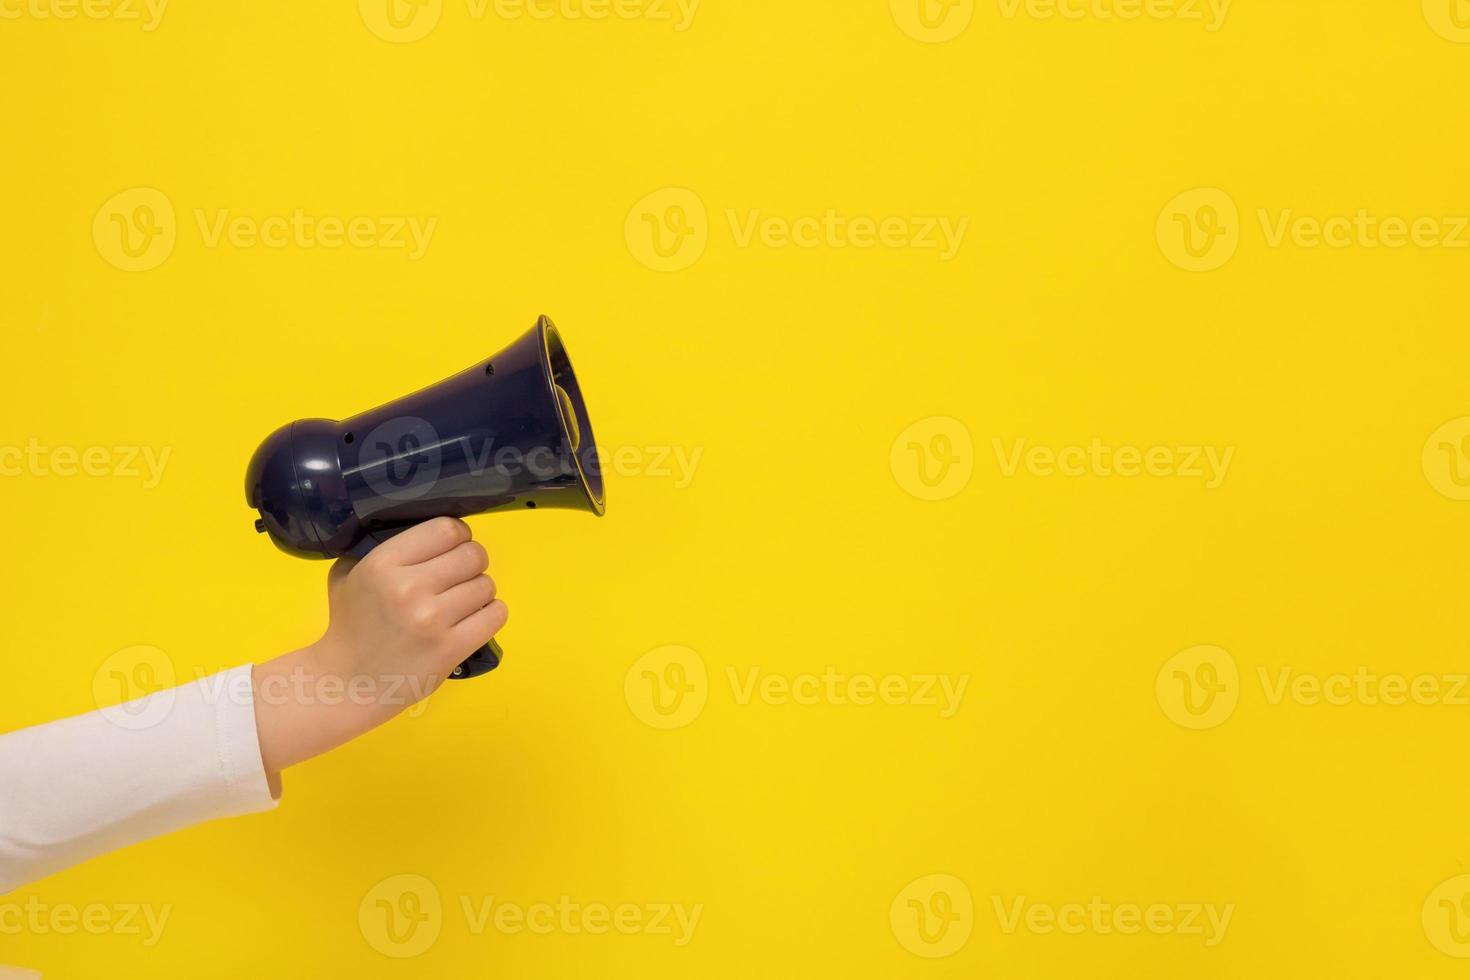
<point>467,598</point>
<point>423,542</point>
<point>476,628</point>
<point>460,565</point>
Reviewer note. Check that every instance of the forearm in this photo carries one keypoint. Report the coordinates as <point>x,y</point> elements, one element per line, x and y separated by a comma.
<point>308,702</point>
<point>79,787</point>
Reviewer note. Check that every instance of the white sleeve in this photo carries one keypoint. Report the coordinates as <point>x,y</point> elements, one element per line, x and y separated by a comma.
<point>76,788</point>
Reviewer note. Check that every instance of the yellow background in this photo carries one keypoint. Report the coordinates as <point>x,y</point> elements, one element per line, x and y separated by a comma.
<point>798,544</point>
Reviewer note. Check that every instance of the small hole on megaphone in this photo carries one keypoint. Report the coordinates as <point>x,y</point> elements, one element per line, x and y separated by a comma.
<point>489,368</point>
<point>347,438</point>
<point>531,504</point>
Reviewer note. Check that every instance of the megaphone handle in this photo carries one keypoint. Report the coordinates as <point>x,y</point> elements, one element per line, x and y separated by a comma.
<point>483,660</point>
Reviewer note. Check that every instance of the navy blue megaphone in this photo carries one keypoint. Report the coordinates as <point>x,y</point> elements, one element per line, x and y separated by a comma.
<point>510,432</point>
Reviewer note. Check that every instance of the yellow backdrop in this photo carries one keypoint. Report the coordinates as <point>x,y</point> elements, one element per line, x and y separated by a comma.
<point>1037,476</point>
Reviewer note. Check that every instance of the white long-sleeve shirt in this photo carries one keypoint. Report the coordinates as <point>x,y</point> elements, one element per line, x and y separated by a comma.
<point>76,788</point>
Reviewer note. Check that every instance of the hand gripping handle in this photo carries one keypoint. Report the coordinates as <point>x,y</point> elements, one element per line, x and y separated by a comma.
<point>483,660</point>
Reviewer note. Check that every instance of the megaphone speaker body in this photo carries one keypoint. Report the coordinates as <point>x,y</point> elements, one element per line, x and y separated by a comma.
<point>510,432</point>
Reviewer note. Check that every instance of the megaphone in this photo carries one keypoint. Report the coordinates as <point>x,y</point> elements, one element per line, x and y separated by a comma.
<point>509,432</point>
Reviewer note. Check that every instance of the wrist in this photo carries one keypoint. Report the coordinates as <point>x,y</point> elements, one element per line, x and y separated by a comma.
<point>311,700</point>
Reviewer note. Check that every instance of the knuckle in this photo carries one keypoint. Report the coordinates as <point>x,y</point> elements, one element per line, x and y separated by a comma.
<point>372,567</point>
<point>421,616</point>
<point>481,593</point>
<point>377,573</point>
<point>452,530</point>
<point>402,590</point>
<point>440,533</point>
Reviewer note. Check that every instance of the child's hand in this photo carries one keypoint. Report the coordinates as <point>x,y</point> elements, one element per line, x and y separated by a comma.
<point>415,607</point>
<point>401,619</point>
